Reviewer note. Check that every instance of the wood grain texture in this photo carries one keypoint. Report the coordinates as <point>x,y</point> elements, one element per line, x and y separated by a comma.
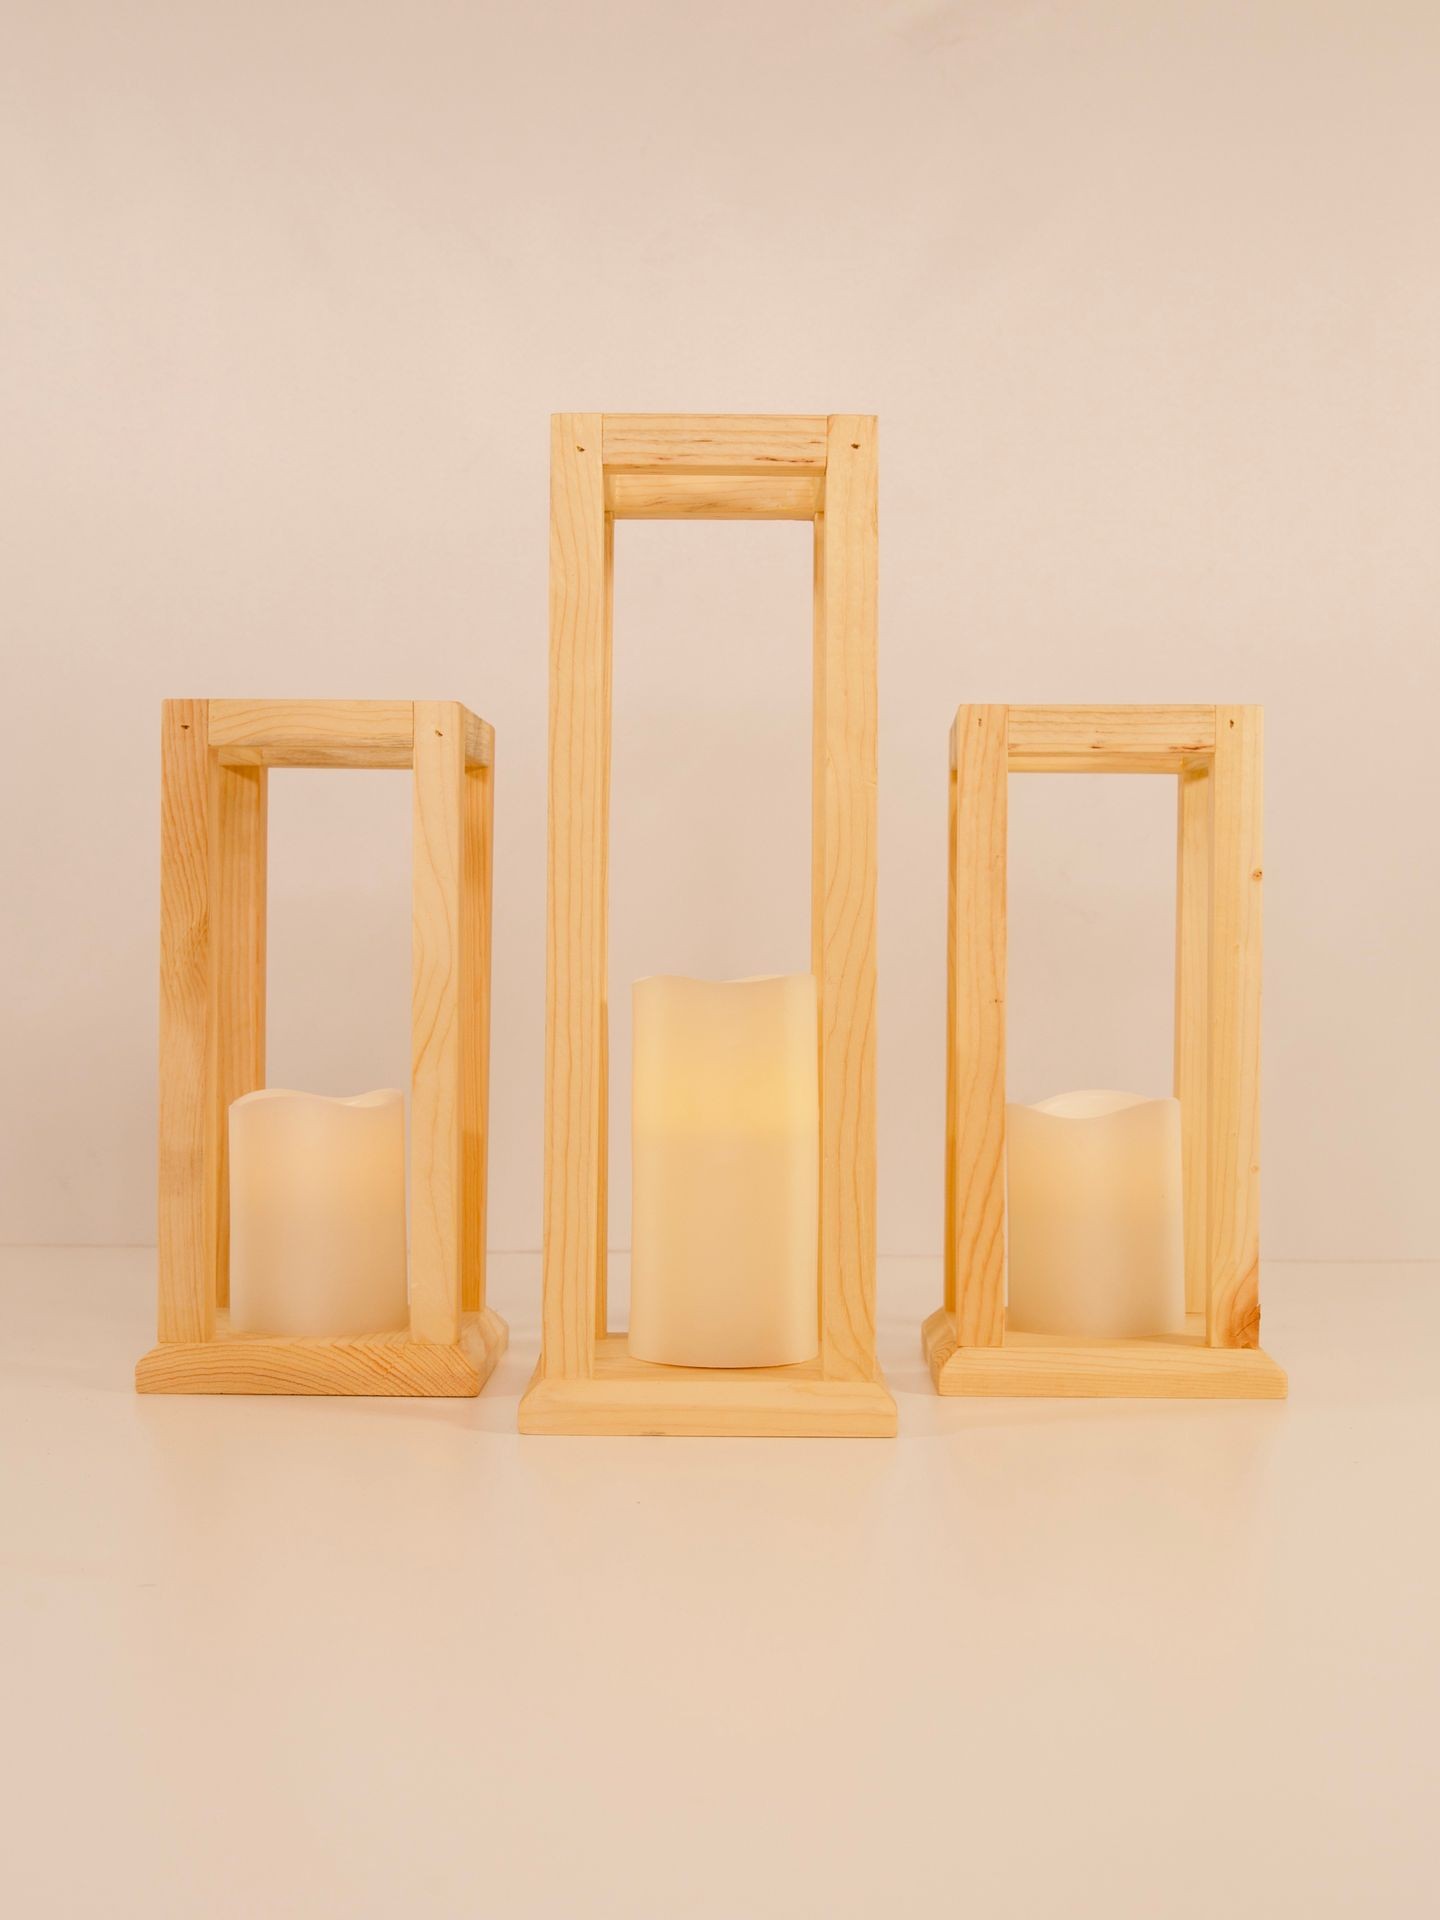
<point>479,740</point>
<point>713,443</point>
<point>843,894</point>
<point>577,957</point>
<point>626,1396</point>
<point>580,1385</point>
<point>212,1036</point>
<point>380,1364</point>
<point>706,496</point>
<point>1217,752</point>
<point>1108,739</point>
<point>187,1215</point>
<point>313,733</point>
<point>601,1283</point>
<point>952,934</point>
<point>438,974</point>
<point>975,1065</point>
<point>1233,1152</point>
<point>238,797</point>
<point>476,921</point>
<point>1192,1017</point>
<point>1178,1367</point>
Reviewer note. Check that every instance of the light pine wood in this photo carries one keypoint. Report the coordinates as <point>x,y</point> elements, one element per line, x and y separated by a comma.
<point>1108,739</point>
<point>736,467</point>
<point>238,798</point>
<point>952,1015</point>
<point>705,496</point>
<point>714,443</point>
<point>1216,753</point>
<point>1236,874</point>
<point>601,1287</point>
<point>1192,1016</point>
<point>212,1037</point>
<point>479,741</point>
<point>578,947</point>
<point>842,935</point>
<point>1177,1367</point>
<point>382,1363</point>
<point>627,1396</point>
<point>313,733</point>
<point>187,1215</point>
<point>476,896</point>
<point>975,1198</point>
<point>438,969</point>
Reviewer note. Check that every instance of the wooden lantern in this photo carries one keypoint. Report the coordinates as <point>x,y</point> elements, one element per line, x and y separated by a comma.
<point>215,756</point>
<point>1216,754</point>
<point>606,467</point>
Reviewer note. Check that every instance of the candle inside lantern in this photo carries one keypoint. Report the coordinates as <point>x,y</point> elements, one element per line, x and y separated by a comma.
<point>317,1214</point>
<point>724,1268</point>
<point>1096,1237</point>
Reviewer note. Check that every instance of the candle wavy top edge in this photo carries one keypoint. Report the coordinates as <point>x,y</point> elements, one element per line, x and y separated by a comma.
<point>701,980</point>
<point>1091,1103</point>
<point>379,1097</point>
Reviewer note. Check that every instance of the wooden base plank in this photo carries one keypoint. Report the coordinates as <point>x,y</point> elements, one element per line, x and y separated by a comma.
<point>627,1396</point>
<point>386,1363</point>
<point>1171,1367</point>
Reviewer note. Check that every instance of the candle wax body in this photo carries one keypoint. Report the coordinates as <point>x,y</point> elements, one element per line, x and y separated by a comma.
<point>1096,1244</point>
<point>724,1268</point>
<point>317,1214</point>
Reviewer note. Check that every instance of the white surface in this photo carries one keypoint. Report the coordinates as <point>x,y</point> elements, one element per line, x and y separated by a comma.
<point>355,1659</point>
<point>1146,297</point>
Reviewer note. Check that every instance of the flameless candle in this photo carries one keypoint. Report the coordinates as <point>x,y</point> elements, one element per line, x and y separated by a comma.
<point>1096,1244</point>
<point>726,1172</point>
<point>317,1214</point>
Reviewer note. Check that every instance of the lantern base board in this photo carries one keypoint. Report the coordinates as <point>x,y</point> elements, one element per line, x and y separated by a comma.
<point>1178,1366</point>
<point>380,1363</point>
<point>628,1396</point>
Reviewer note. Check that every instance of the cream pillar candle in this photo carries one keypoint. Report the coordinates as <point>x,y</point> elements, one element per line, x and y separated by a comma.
<point>317,1214</point>
<point>724,1268</point>
<point>1096,1243</point>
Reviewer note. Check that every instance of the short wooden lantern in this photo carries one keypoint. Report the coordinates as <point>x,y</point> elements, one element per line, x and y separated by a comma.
<point>214,760</point>
<point>606,467</point>
<point>1216,754</point>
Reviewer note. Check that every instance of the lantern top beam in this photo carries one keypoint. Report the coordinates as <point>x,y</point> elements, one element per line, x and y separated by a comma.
<point>710,466</point>
<point>330,733</point>
<point>1099,739</point>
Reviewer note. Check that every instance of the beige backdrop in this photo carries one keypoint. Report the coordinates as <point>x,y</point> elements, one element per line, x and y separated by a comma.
<point>1146,297</point>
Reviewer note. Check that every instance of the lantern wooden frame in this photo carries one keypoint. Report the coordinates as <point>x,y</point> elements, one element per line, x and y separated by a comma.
<point>737,467</point>
<point>1215,752</point>
<point>215,757</point>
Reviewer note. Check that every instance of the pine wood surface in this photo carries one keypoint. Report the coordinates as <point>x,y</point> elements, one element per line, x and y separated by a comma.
<point>1179,1366</point>
<point>1215,753</point>
<point>385,1364</point>
<point>714,443</point>
<point>1233,1077</point>
<point>708,466</point>
<point>214,761</point>
<point>577,954</point>
<point>714,496</point>
<point>975,1171</point>
<point>1192,1016</point>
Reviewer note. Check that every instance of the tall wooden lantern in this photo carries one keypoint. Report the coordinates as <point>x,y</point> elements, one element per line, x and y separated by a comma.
<point>1215,755</point>
<point>606,467</point>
